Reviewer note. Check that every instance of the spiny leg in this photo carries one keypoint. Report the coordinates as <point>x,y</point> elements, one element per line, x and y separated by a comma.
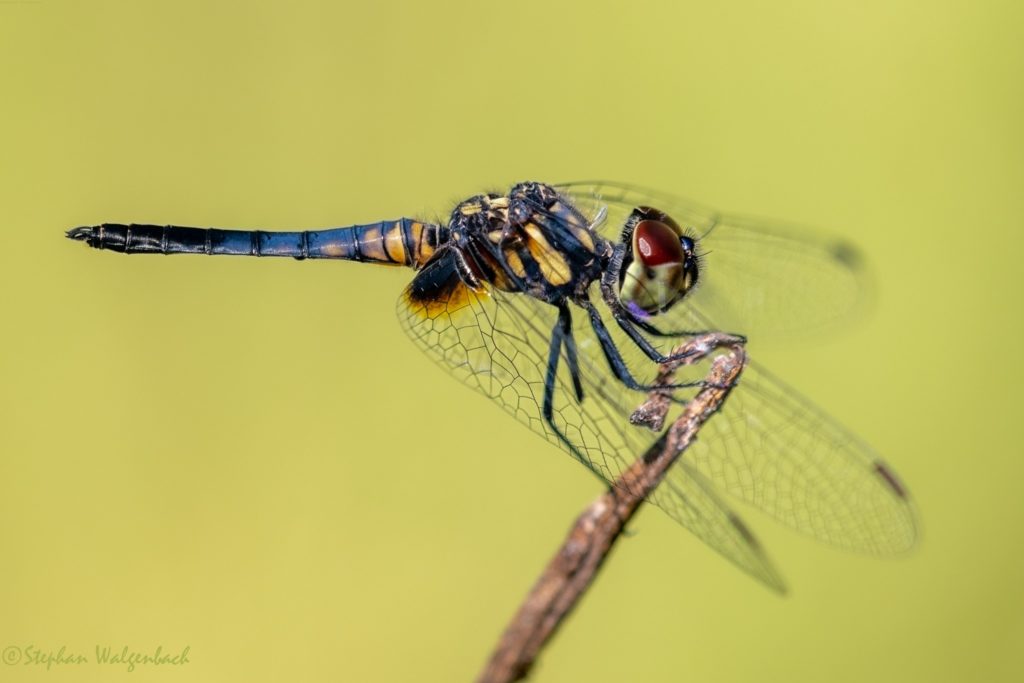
<point>563,328</point>
<point>615,359</point>
<point>565,322</point>
<point>626,322</point>
<point>654,331</point>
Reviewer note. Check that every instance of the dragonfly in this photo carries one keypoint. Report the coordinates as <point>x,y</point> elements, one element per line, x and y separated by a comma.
<point>560,302</point>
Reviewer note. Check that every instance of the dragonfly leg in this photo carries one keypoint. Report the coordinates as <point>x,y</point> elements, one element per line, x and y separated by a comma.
<point>654,331</point>
<point>554,351</point>
<point>464,270</point>
<point>627,325</point>
<point>614,356</point>
<point>562,335</point>
<point>569,341</point>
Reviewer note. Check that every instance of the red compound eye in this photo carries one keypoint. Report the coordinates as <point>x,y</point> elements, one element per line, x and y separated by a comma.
<point>655,243</point>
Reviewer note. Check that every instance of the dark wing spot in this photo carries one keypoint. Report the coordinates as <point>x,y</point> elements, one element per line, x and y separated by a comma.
<point>848,255</point>
<point>889,477</point>
<point>745,532</point>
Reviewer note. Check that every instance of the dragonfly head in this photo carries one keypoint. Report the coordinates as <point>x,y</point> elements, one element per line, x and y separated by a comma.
<point>661,263</point>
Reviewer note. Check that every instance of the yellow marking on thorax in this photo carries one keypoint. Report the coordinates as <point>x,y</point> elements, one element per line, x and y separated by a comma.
<point>580,232</point>
<point>552,265</point>
<point>471,209</point>
<point>585,237</point>
<point>515,263</point>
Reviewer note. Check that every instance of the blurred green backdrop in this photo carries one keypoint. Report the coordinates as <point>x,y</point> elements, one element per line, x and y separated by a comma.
<point>155,489</point>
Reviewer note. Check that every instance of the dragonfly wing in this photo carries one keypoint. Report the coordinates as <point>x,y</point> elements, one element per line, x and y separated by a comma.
<point>771,446</point>
<point>497,343</point>
<point>687,497</point>
<point>759,278</point>
<point>486,341</point>
<point>778,451</point>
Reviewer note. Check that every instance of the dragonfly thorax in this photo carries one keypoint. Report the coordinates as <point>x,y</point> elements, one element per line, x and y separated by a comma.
<point>531,240</point>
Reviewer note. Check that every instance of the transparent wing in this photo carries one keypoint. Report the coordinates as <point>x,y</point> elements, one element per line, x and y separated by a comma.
<point>769,446</point>
<point>759,278</point>
<point>687,497</point>
<point>774,449</point>
<point>778,451</point>
<point>498,344</point>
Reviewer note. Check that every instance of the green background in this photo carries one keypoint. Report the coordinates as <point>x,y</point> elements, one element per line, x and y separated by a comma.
<point>248,457</point>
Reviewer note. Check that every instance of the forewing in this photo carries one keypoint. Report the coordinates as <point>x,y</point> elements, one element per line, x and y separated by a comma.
<point>757,277</point>
<point>777,450</point>
<point>498,344</point>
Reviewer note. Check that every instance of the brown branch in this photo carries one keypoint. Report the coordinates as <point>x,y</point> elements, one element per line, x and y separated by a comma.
<point>573,568</point>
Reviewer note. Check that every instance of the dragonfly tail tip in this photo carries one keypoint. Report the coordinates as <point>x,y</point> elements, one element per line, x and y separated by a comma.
<point>83,233</point>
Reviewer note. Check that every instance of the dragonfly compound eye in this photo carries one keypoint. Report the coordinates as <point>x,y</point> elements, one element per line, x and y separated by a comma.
<point>663,267</point>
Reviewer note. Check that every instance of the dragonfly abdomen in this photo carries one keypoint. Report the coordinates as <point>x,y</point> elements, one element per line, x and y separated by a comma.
<point>399,242</point>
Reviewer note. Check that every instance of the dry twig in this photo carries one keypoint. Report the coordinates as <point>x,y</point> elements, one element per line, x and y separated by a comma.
<point>588,543</point>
